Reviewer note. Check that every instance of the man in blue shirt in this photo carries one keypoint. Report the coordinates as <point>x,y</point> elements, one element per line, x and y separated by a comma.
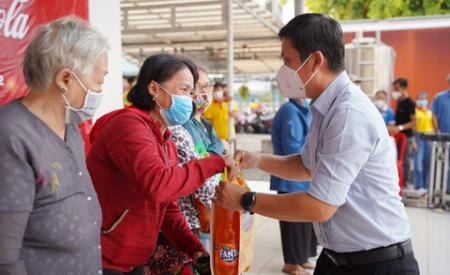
<point>353,199</point>
<point>441,116</point>
<point>289,130</point>
<point>441,110</point>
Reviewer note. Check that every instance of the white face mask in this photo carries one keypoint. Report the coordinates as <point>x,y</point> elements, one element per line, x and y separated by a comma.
<point>218,95</point>
<point>380,104</point>
<point>396,95</point>
<point>91,103</point>
<point>290,83</point>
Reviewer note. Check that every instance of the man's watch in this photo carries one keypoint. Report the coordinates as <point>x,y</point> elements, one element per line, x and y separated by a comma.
<point>248,201</point>
<point>401,128</point>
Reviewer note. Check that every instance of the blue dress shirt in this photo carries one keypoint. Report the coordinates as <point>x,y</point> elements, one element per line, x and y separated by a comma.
<point>441,109</point>
<point>354,168</point>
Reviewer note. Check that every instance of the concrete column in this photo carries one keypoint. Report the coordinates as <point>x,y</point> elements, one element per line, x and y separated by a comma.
<point>299,7</point>
<point>105,16</point>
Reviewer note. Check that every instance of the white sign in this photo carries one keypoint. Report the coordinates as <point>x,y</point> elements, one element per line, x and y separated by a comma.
<point>13,23</point>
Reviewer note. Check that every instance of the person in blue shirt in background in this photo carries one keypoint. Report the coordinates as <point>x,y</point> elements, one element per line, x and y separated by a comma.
<point>441,115</point>
<point>289,130</point>
<point>383,106</point>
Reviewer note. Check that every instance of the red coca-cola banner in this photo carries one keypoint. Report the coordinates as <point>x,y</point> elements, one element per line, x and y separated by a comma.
<point>18,20</point>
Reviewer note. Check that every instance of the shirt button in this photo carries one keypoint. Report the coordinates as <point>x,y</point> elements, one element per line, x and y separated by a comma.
<point>100,272</point>
<point>89,198</point>
<point>80,173</point>
<point>99,247</point>
<point>95,222</point>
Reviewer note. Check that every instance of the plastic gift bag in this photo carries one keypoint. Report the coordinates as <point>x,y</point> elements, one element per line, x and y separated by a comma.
<point>233,235</point>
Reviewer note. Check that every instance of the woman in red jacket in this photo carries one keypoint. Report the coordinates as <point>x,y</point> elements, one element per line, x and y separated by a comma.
<point>134,166</point>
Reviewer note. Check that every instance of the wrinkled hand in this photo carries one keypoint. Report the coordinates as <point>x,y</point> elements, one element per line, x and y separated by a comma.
<point>246,159</point>
<point>228,195</point>
<point>232,166</point>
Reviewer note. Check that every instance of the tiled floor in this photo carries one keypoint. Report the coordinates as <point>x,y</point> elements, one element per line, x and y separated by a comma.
<point>431,241</point>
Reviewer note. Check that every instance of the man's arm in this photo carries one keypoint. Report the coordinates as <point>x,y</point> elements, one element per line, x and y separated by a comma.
<point>412,116</point>
<point>287,167</point>
<point>296,207</point>
<point>307,207</point>
<point>409,125</point>
<point>435,124</point>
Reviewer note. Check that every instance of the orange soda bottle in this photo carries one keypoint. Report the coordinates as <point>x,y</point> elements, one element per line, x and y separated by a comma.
<point>225,238</point>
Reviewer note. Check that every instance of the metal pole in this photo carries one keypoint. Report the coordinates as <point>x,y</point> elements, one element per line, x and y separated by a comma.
<point>299,7</point>
<point>230,64</point>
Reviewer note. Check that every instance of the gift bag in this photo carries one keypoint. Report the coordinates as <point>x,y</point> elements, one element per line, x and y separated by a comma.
<point>232,238</point>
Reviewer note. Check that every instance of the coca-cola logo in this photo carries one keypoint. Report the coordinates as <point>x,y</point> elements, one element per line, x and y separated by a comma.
<point>13,23</point>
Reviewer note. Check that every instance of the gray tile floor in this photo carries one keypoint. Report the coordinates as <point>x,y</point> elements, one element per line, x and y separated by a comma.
<point>431,240</point>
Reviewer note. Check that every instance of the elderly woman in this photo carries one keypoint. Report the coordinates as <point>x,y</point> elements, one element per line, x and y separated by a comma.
<point>195,139</point>
<point>134,167</point>
<point>49,213</point>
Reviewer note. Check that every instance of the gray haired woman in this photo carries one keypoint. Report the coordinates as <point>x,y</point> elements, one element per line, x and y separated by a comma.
<point>49,213</point>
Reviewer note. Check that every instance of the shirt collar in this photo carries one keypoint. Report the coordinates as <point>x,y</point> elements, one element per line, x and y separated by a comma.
<point>323,103</point>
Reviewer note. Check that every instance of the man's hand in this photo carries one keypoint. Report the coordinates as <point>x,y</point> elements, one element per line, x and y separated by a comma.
<point>228,195</point>
<point>392,130</point>
<point>246,159</point>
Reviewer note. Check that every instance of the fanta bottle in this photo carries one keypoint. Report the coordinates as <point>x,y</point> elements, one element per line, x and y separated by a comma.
<point>225,240</point>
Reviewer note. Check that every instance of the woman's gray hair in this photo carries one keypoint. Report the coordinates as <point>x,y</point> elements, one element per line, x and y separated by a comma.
<point>68,42</point>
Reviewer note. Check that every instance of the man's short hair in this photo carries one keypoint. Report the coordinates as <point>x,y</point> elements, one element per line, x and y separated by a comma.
<point>310,32</point>
<point>402,82</point>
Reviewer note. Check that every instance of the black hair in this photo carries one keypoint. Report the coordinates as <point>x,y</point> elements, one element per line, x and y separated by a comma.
<point>422,93</point>
<point>310,32</point>
<point>402,82</point>
<point>381,92</point>
<point>158,68</point>
<point>217,85</point>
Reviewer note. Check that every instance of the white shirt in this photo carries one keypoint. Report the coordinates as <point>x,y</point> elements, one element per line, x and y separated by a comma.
<point>354,167</point>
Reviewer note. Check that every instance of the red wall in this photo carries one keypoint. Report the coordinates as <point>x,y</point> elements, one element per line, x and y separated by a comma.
<point>26,15</point>
<point>422,56</point>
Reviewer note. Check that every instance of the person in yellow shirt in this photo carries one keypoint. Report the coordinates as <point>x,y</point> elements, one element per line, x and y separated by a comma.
<point>422,156</point>
<point>218,113</point>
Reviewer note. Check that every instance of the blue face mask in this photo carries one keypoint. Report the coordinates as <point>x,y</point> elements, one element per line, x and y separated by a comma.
<point>422,103</point>
<point>179,111</point>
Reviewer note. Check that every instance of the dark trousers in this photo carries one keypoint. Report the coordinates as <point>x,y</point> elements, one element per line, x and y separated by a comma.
<point>406,265</point>
<point>298,242</point>
<point>139,270</point>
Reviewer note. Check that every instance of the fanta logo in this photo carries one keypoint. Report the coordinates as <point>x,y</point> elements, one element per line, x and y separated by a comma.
<point>228,254</point>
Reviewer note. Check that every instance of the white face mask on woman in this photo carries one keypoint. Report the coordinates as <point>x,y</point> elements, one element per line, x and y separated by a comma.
<point>290,83</point>
<point>91,103</point>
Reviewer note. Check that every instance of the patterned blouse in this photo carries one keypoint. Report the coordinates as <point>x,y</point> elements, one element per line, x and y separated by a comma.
<point>186,152</point>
